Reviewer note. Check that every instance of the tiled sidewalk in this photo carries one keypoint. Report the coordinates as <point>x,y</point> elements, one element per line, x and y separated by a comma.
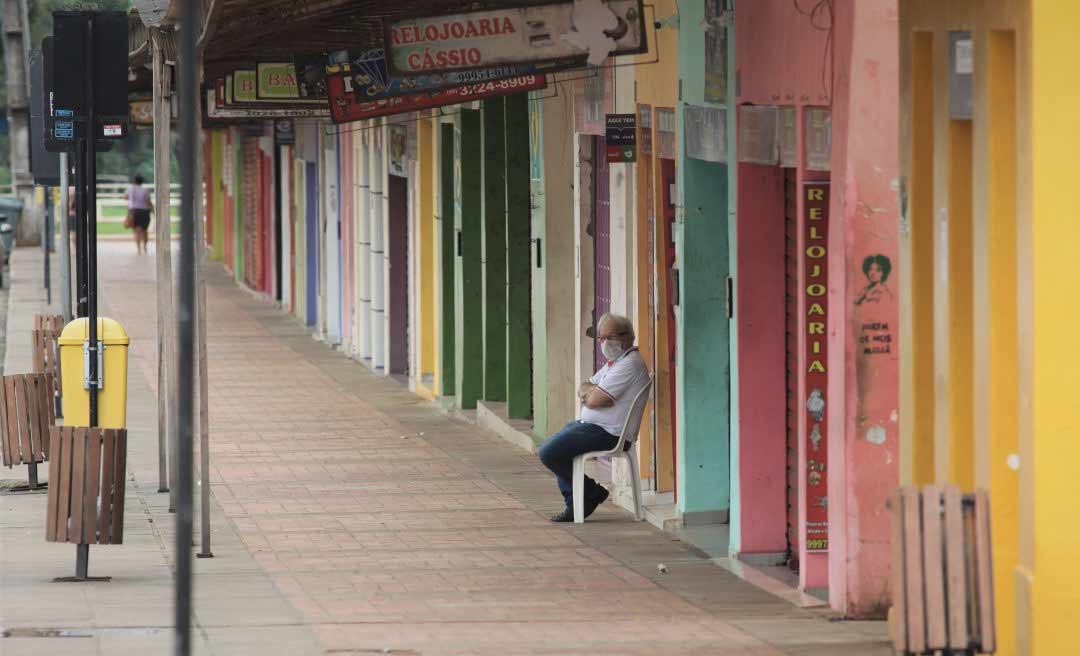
<point>388,527</point>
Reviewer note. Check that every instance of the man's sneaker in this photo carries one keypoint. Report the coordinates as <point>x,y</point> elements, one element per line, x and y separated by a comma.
<point>567,515</point>
<point>594,501</point>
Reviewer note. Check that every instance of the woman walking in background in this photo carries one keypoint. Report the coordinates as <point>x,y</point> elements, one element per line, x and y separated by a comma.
<point>139,208</point>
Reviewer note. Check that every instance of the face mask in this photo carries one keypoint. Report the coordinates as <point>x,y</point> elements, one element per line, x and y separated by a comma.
<point>611,349</point>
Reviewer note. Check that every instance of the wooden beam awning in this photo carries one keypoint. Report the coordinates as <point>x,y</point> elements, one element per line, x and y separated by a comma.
<point>267,30</point>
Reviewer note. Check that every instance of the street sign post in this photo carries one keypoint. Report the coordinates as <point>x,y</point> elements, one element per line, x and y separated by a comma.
<point>87,103</point>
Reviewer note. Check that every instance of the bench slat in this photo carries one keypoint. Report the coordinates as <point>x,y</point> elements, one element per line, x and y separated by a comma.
<point>120,486</point>
<point>64,488</point>
<point>913,560</point>
<point>985,575</point>
<point>93,480</point>
<point>937,634</point>
<point>956,576</point>
<point>7,446</point>
<point>108,466</point>
<point>33,417</point>
<point>26,414</point>
<point>78,484</point>
<point>54,478</point>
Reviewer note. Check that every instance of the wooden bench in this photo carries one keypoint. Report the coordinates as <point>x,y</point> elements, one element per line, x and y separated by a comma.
<point>26,417</point>
<point>86,498</point>
<point>46,350</point>
<point>943,592</point>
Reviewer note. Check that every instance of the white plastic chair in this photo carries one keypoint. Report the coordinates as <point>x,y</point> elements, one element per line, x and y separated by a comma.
<point>629,437</point>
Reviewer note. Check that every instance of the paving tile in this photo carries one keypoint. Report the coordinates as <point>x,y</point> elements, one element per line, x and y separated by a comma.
<point>351,517</point>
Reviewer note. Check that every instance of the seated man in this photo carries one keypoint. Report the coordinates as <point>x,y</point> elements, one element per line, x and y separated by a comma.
<point>606,401</point>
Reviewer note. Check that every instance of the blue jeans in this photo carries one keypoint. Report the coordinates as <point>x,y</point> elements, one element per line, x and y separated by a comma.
<point>574,439</point>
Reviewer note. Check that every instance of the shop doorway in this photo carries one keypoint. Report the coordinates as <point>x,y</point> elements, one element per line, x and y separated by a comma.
<point>667,301</point>
<point>398,250</point>
<point>791,360</point>
<point>601,229</point>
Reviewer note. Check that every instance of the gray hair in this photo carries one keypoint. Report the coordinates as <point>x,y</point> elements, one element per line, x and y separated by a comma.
<point>623,326</point>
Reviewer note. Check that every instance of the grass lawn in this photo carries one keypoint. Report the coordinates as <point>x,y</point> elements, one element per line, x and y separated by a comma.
<point>109,228</point>
<point>119,211</point>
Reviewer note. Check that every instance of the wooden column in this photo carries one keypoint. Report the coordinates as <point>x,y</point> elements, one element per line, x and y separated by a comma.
<point>166,310</point>
<point>518,256</point>
<point>448,237</point>
<point>468,273</point>
<point>493,238</point>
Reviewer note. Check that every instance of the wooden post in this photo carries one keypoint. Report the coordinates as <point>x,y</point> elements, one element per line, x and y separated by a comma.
<point>166,315</point>
<point>519,270</point>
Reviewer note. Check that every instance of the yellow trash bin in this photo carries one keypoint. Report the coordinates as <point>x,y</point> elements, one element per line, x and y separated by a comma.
<point>112,396</point>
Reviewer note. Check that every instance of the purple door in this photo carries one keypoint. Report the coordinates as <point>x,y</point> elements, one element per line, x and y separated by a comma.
<point>312,178</point>
<point>601,241</point>
<point>398,249</point>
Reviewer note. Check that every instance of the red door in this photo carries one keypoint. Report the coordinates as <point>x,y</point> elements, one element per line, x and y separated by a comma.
<point>791,359</point>
<point>398,248</point>
<point>266,223</point>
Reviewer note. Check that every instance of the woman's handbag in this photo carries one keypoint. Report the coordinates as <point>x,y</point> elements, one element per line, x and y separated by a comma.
<point>129,220</point>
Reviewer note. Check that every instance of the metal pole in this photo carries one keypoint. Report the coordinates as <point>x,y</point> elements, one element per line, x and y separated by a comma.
<point>65,240</point>
<point>91,222</point>
<point>185,315</point>
<point>80,228</point>
<point>82,561</point>
<point>46,232</point>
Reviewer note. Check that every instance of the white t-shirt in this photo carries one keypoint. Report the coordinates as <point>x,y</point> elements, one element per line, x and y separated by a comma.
<point>621,380</point>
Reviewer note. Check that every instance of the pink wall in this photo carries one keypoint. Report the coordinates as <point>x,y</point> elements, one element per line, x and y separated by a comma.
<point>762,386</point>
<point>864,433</point>
<point>782,60</point>
<point>780,55</point>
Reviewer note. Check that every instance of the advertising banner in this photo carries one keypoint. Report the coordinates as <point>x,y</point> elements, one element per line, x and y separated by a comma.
<point>344,106</point>
<point>816,306</point>
<point>371,78</point>
<point>620,137</point>
<point>555,36</point>
<point>213,111</point>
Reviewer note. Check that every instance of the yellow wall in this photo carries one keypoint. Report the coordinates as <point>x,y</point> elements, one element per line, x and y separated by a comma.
<point>966,364</point>
<point>657,86</point>
<point>1055,278</point>
<point>428,277</point>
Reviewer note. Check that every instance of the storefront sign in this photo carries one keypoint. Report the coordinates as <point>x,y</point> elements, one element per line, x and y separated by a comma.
<point>344,106</point>
<point>398,145</point>
<point>214,111</point>
<point>620,136</point>
<point>276,81</point>
<point>284,134</point>
<point>371,79</point>
<point>815,307</point>
<point>244,86</point>
<point>705,132</point>
<point>757,134</point>
<point>787,135</point>
<point>310,76</point>
<point>665,133</point>
<point>645,129</point>
<point>142,112</point>
<point>716,56</point>
<point>818,138</point>
<point>552,35</point>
